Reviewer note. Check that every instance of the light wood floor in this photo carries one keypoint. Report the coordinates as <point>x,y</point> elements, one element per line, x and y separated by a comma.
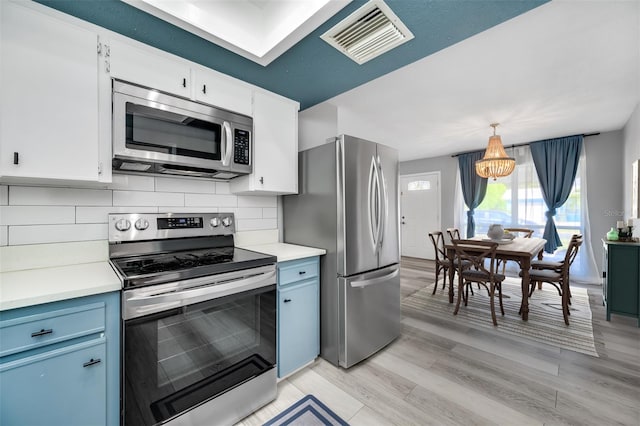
<point>440,372</point>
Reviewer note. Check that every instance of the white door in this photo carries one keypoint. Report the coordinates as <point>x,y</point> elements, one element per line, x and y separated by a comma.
<point>419,213</point>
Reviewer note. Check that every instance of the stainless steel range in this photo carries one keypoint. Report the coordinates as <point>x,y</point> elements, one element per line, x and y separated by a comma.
<point>198,320</point>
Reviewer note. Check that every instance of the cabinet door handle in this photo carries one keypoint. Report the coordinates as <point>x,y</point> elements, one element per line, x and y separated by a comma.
<point>204,89</point>
<point>41,332</point>
<point>15,158</point>
<point>302,272</point>
<point>262,180</point>
<point>92,362</point>
<point>287,300</point>
<point>184,82</point>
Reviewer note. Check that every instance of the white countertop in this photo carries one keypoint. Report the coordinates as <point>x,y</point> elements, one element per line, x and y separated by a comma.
<point>52,276</point>
<point>34,286</point>
<point>284,251</point>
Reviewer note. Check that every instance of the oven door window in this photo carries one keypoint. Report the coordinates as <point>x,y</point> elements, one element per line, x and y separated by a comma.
<point>178,359</point>
<point>152,129</point>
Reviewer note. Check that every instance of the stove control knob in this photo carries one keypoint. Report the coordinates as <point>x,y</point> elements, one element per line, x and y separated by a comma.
<point>215,222</point>
<point>123,225</point>
<point>142,224</point>
<point>226,221</point>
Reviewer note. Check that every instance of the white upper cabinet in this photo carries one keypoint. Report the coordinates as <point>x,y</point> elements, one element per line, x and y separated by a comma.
<point>49,120</point>
<point>275,152</point>
<point>147,68</point>
<point>214,88</point>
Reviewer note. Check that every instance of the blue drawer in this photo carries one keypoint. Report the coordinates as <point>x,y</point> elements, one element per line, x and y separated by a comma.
<point>33,331</point>
<point>297,270</point>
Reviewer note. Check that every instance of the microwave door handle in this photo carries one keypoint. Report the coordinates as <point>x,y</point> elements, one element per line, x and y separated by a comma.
<point>226,147</point>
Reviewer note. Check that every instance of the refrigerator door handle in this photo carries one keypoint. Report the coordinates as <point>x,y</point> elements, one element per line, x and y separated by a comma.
<point>374,281</point>
<point>384,203</point>
<point>372,200</point>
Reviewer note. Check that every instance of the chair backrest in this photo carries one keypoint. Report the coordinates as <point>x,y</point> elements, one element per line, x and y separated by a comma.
<point>477,252</point>
<point>437,238</point>
<point>454,233</point>
<point>572,250</point>
<point>520,232</point>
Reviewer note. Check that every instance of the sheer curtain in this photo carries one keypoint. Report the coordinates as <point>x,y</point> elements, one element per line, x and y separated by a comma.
<point>516,201</point>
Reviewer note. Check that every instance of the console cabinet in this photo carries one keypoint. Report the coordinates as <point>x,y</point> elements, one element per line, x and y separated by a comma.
<point>60,363</point>
<point>621,279</point>
<point>298,314</point>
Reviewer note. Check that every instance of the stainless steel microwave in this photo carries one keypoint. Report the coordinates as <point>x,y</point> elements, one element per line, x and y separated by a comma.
<point>154,132</point>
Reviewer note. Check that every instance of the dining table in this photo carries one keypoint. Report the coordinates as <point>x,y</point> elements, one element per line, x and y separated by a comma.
<point>520,250</point>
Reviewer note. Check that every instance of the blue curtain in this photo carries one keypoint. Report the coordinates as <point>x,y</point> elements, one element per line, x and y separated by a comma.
<point>556,162</point>
<point>474,188</point>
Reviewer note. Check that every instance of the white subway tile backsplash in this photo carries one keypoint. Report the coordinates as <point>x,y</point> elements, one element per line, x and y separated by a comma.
<point>143,198</point>
<point>40,234</point>
<point>188,209</point>
<point>4,195</point>
<point>216,200</point>
<point>132,182</point>
<point>100,214</point>
<point>45,196</point>
<point>222,188</point>
<point>255,224</point>
<point>270,213</point>
<point>248,213</point>
<point>43,215</point>
<point>37,215</point>
<point>164,184</point>
<point>254,201</point>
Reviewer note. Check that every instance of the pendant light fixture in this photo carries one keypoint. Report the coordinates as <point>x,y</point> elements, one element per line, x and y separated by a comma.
<point>495,162</point>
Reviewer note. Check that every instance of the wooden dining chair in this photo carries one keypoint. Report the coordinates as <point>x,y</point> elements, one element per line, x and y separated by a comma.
<point>520,232</point>
<point>557,265</point>
<point>476,252</point>
<point>443,263</point>
<point>454,233</point>
<point>559,278</point>
<point>550,264</point>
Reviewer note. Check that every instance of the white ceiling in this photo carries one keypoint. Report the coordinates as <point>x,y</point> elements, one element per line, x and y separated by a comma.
<point>564,68</point>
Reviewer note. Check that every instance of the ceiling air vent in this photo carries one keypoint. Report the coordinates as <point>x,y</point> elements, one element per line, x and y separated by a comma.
<point>368,32</point>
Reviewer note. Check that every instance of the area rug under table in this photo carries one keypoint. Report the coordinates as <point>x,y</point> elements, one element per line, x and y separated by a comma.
<point>545,322</point>
<point>308,411</point>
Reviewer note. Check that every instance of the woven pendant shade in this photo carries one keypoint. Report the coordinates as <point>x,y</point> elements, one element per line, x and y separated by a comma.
<point>495,162</point>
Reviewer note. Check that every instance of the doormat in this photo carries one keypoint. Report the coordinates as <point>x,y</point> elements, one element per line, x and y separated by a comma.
<point>545,323</point>
<point>309,411</point>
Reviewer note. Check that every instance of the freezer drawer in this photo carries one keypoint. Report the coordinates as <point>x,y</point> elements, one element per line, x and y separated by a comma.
<point>369,313</point>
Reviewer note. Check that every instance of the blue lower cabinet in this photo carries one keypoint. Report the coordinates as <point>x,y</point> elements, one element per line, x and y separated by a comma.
<point>298,319</point>
<point>62,387</point>
<point>58,369</point>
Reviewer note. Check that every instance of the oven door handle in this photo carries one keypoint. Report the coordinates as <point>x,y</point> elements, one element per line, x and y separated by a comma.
<point>137,306</point>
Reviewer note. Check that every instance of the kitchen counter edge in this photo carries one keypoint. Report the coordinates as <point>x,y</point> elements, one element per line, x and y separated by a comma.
<point>29,287</point>
<point>285,251</point>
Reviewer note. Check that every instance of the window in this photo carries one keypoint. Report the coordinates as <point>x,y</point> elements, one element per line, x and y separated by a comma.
<point>419,185</point>
<point>517,201</point>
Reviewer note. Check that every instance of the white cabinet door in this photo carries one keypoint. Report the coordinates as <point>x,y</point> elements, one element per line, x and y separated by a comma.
<point>146,68</point>
<point>49,103</point>
<point>221,91</point>
<point>275,147</point>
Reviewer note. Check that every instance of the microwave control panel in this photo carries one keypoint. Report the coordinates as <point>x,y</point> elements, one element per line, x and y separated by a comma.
<point>241,144</point>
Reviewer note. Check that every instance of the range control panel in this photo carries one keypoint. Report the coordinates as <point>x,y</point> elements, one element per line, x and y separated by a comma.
<point>241,144</point>
<point>156,226</point>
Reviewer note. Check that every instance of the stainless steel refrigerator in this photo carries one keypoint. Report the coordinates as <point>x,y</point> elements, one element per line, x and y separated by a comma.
<point>348,205</point>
